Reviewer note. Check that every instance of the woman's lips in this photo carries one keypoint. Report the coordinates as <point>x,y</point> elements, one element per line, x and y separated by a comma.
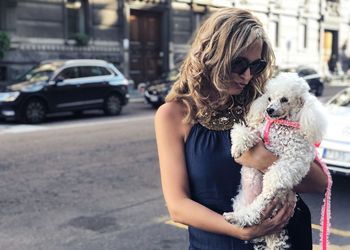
<point>240,85</point>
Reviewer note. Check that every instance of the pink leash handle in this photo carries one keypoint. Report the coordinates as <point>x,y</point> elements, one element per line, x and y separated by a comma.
<point>326,208</point>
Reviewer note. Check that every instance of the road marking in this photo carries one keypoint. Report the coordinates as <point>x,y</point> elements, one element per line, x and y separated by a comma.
<point>314,226</point>
<point>32,128</point>
<point>22,128</point>
<point>332,247</point>
<point>335,231</point>
<point>179,225</point>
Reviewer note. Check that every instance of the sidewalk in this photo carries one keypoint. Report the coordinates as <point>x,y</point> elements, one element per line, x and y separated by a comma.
<point>339,81</point>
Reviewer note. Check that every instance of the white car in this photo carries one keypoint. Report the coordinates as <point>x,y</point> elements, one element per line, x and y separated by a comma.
<point>335,148</point>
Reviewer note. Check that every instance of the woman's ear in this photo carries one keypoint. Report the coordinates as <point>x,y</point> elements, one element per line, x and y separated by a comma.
<point>313,121</point>
<point>257,110</point>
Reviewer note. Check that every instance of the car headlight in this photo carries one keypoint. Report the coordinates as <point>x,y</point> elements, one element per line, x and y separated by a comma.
<point>9,96</point>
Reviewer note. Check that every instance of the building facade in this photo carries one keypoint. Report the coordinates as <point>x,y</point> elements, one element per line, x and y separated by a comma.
<point>144,38</point>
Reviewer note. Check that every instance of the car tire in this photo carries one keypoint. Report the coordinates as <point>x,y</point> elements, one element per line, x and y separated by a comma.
<point>319,92</point>
<point>34,111</point>
<point>113,105</point>
<point>156,105</point>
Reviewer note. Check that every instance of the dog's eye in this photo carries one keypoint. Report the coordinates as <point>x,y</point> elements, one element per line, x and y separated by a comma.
<point>269,99</point>
<point>283,99</point>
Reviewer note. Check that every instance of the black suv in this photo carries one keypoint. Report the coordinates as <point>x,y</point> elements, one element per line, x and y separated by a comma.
<point>64,85</point>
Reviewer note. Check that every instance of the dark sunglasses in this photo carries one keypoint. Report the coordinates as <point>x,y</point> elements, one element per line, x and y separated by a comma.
<point>241,64</point>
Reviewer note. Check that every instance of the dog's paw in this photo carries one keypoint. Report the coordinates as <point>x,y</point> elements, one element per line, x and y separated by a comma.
<point>230,217</point>
<point>236,219</point>
<point>243,138</point>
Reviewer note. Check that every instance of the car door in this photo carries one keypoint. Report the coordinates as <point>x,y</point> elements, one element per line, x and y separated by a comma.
<point>65,95</point>
<point>94,84</point>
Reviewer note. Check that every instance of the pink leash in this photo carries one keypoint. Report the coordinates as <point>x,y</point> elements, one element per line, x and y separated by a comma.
<point>326,208</point>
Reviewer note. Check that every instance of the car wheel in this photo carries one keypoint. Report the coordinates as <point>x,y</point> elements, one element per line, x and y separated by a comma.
<point>319,92</point>
<point>34,111</point>
<point>113,105</point>
<point>156,105</point>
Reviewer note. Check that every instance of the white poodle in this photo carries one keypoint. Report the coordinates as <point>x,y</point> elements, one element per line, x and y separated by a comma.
<point>290,121</point>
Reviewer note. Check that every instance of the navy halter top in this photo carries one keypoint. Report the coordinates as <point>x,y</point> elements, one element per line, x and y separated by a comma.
<point>214,179</point>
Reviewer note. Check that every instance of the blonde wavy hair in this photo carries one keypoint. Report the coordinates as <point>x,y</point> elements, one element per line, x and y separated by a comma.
<point>204,75</point>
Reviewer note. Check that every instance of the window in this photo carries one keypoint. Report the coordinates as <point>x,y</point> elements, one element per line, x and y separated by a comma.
<point>273,33</point>
<point>2,15</point>
<point>2,73</point>
<point>302,36</point>
<point>69,73</point>
<point>198,19</point>
<point>76,17</point>
<point>89,71</point>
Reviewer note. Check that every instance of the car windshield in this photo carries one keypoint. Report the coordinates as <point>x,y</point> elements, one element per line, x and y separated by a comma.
<point>342,99</point>
<point>306,71</point>
<point>41,72</point>
<point>170,75</point>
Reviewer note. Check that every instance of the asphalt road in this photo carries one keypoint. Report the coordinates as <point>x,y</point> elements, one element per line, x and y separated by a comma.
<point>93,183</point>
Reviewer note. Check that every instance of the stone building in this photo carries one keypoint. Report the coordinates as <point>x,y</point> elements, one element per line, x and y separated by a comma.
<point>147,37</point>
<point>52,29</point>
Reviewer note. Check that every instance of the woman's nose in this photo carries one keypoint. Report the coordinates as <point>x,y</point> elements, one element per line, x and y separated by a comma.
<point>246,74</point>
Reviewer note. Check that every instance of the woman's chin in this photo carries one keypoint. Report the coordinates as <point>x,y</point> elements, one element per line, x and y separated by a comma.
<point>234,91</point>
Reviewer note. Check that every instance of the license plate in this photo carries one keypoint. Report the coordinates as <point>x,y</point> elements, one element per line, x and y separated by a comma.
<point>336,155</point>
<point>153,98</point>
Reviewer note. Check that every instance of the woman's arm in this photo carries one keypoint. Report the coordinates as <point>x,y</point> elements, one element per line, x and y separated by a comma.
<point>314,181</point>
<point>260,158</point>
<point>257,157</point>
<point>170,134</point>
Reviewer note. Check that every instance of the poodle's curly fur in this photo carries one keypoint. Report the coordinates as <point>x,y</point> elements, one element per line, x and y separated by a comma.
<point>287,97</point>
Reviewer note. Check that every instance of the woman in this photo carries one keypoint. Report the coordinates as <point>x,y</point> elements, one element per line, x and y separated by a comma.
<point>227,67</point>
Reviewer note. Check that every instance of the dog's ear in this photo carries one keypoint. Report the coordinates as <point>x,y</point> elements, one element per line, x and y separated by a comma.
<point>313,121</point>
<point>257,110</point>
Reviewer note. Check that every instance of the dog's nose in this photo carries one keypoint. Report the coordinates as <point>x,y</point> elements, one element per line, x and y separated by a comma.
<point>270,111</point>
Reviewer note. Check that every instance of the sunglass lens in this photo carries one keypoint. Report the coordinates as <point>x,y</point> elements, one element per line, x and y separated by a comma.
<point>257,67</point>
<point>239,65</point>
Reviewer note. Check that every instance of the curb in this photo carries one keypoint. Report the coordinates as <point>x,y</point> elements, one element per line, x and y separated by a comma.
<point>136,99</point>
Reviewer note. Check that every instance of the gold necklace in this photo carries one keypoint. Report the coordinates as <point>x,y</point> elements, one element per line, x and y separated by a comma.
<point>222,120</point>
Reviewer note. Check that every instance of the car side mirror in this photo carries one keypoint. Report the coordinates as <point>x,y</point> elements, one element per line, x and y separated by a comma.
<point>59,79</point>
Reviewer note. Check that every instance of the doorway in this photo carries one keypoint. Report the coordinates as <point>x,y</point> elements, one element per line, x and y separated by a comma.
<point>145,46</point>
<point>330,48</point>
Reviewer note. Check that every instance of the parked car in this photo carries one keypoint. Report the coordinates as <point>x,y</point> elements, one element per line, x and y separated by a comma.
<point>64,85</point>
<point>335,148</point>
<point>156,91</point>
<point>310,75</point>
<point>312,78</point>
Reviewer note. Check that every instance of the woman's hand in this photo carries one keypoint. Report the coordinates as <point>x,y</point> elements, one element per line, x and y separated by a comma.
<point>257,157</point>
<point>270,225</point>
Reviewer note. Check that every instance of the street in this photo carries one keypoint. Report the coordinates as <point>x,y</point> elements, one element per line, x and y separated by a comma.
<point>92,182</point>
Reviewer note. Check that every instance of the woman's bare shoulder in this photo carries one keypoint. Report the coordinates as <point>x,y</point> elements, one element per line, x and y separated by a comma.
<point>171,115</point>
<point>171,110</point>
